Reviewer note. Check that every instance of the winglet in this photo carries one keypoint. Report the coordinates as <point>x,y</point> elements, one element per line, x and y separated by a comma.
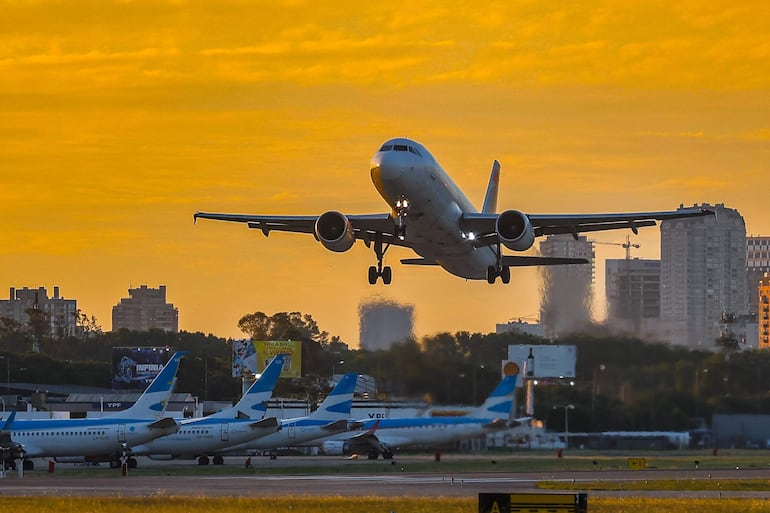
<point>9,421</point>
<point>490,200</point>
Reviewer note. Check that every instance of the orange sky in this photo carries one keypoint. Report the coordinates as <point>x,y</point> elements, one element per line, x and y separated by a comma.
<point>119,120</point>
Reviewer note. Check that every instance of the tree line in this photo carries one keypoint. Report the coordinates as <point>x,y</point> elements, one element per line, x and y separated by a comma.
<point>621,383</point>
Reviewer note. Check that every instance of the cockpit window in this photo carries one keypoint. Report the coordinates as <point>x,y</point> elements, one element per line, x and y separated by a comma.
<point>415,151</point>
<point>386,147</point>
<point>400,147</point>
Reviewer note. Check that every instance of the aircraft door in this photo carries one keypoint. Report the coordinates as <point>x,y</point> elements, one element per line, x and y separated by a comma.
<point>292,432</point>
<point>225,431</point>
<point>122,433</point>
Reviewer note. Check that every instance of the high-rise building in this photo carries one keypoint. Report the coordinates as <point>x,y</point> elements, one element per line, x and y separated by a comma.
<point>633,295</point>
<point>757,264</point>
<point>702,277</point>
<point>383,323</point>
<point>60,313</point>
<point>145,308</point>
<point>764,311</point>
<point>565,303</point>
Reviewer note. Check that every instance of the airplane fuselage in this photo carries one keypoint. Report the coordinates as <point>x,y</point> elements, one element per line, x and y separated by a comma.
<point>436,205</point>
<point>83,437</point>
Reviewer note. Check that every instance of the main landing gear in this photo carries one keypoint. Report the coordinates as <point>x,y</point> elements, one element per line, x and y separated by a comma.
<point>380,272</point>
<point>399,230</point>
<point>498,270</point>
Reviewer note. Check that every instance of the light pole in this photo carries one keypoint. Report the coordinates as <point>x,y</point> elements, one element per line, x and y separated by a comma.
<point>205,377</point>
<point>7,374</point>
<point>566,407</point>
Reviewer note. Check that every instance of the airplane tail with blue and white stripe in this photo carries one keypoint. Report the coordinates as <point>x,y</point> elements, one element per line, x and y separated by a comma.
<point>253,404</point>
<point>337,404</point>
<point>153,401</point>
<point>499,403</point>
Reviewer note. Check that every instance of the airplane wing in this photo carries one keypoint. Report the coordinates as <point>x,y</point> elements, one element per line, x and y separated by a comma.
<point>483,224</point>
<point>365,226</point>
<point>270,424</point>
<point>166,425</point>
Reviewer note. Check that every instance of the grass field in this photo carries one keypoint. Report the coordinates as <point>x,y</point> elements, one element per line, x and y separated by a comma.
<point>351,505</point>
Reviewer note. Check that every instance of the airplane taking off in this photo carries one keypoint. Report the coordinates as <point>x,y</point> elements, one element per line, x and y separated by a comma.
<point>444,228</point>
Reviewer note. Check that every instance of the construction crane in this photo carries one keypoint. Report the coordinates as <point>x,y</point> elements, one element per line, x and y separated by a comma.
<point>627,245</point>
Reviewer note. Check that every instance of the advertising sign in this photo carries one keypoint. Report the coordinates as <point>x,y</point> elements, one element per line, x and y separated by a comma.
<point>549,361</point>
<point>244,358</point>
<point>251,357</point>
<point>292,364</point>
<point>134,368</point>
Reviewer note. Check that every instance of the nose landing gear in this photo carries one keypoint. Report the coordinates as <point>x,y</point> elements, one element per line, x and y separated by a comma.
<point>402,209</point>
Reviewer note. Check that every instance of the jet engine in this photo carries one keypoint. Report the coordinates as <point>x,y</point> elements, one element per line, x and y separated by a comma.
<point>515,230</point>
<point>334,231</point>
<point>335,448</point>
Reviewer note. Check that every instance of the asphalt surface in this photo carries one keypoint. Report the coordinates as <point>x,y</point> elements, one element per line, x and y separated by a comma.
<point>109,482</point>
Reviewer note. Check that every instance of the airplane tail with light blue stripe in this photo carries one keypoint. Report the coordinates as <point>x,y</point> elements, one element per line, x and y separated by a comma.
<point>499,403</point>
<point>253,404</point>
<point>337,404</point>
<point>153,401</point>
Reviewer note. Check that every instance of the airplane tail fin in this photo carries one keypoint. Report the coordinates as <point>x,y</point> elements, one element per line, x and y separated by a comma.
<point>337,404</point>
<point>253,404</point>
<point>490,199</point>
<point>152,403</point>
<point>500,401</point>
<point>9,421</point>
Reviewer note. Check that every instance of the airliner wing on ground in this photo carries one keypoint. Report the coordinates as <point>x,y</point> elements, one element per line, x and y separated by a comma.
<point>384,436</point>
<point>99,439</point>
<point>431,215</point>
<point>201,437</point>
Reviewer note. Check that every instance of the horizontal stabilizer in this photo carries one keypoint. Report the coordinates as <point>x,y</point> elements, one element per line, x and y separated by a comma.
<point>270,422</point>
<point>496,424</point>
<point>337,426</point>
<point>418,261</point>
<point>164,423</point>
<point>524,261</point>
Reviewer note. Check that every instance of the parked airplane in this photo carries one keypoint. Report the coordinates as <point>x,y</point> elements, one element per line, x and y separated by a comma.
<point>445,229</point>
<point>384,436</point>
<point>331,417</point>
<point>100,439</point>
<point>197,438</point>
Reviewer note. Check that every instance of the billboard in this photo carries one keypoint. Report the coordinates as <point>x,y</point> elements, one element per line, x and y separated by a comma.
<point>549,361</point>
<point>251,357</point>
<point>134,368</point>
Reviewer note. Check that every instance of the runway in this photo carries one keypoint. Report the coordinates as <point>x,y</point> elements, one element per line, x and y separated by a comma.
<point>106,482</point>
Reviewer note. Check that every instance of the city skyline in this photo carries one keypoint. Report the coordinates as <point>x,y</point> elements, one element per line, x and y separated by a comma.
<point>121,120</point>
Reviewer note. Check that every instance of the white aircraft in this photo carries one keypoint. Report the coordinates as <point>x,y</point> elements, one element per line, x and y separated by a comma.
<point>197,438</point>
<point>384,436</point>
<point>444,228</point>
<point>331,417</point>
<point>100,439</point>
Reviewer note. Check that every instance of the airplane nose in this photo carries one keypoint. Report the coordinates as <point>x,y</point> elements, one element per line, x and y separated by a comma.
<point>386,167</point>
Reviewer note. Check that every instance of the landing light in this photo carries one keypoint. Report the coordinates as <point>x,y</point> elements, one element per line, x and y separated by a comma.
<point>472,236</point>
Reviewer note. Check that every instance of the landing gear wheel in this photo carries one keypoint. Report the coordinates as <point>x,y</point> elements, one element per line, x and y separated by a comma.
<point>219,460</point>
<point>203,460</point>
<point>387,275</point>
<point>373,275</point>
<point>28,465</point>
<point>491,274</point>
<point>373,455</point>
<point>131,462</point>
<point>505,274</point>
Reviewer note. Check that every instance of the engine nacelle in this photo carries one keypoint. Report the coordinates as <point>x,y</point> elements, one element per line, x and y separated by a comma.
<point>335,448</point>
<point>515,230</point>
<point>334,231</point>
